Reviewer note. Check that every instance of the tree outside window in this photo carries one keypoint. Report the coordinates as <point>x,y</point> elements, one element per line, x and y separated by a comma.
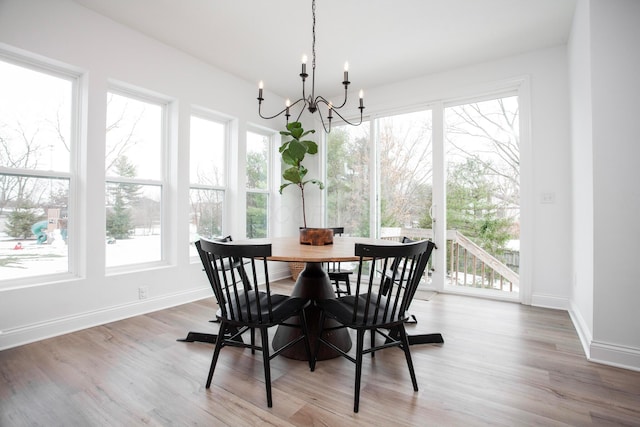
<point>257,175</point>
<point>348,181</point>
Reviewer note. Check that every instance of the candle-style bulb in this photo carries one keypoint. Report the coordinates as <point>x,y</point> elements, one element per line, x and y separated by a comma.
<point>346,66</point>
<point>261,85</point>
<point>304,59</point>
<point>287,103</point>
<point>361,98</point>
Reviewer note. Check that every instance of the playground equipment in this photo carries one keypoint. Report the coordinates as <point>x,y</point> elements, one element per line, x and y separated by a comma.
<point>51,230</point>
<point>39,229</point>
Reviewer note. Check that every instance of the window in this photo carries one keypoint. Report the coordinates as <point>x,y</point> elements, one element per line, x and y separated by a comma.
<point>405,170</point>
<point>37,144</point>
<point>135,136</point>
<point>348,181</point>
<point>207,172</point>
<point>258,160</point>
<point>483,193</point>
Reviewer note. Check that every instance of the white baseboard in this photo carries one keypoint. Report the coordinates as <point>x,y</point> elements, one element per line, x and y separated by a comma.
<point>615,355</point>
<point>54,327</point>
<point>604,353</point>
<point>584,333</point>
<point>550,301</point>
<point>38,331</point>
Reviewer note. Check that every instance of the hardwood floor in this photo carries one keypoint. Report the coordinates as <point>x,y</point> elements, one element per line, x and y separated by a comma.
<point>501,364</point>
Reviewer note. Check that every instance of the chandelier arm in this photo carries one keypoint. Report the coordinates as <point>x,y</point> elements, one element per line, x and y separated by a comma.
<point>301,111</point>
<point>322,99</point>
<point>345,99</point>
<point>270,117</point>
<point>347,121</point>
<point>322,121</point>
<point>281,112</point>
<point>304,79</point>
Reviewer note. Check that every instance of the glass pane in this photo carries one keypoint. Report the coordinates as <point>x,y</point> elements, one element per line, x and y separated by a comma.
<point>257,209</point>
<point>406,170</point>
<point>205,216</point>
<point>257,161</point>
<point>483,194</point>
<point>134,138</point>
<point>207,152</point>
<point>33,227</point>
<point>133,223</point>
<point>348,182</point>
<point>35,119</point>
<point>406,177</point>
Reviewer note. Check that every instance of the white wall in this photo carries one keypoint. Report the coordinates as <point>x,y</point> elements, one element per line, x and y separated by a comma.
<point>582,168</point>
<point>615,67</point>
<point>605,65</point>
<point>105,51</point>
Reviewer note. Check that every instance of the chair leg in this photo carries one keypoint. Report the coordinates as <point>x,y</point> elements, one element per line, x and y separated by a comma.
<point>305,332</point>
<point>318,342</point>
<point>253,341</point>
<point>265,360</point>
<point>216,351</point>
<point>373,342</point>
<point>407,354</point>
<point>359,348</point>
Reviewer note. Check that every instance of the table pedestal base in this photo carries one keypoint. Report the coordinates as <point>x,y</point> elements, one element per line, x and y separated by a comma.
<point>313,283</point>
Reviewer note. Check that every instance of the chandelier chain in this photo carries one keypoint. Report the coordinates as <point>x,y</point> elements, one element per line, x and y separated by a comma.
<point>313,33</point>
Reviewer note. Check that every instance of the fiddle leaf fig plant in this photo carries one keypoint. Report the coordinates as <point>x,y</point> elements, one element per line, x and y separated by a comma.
<point>293,153</point>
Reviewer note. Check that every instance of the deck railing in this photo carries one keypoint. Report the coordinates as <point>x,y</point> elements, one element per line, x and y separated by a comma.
<point>468,264</point>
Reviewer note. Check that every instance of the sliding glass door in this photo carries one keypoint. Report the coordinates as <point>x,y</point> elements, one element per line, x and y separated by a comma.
<point>458,163</point>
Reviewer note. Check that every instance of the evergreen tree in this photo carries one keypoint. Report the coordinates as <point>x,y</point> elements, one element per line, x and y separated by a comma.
<point>472,209</point>
<point>124,197</point>
<point>19,221</point>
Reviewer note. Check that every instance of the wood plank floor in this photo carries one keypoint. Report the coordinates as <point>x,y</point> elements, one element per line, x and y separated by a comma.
<point>501,364</point>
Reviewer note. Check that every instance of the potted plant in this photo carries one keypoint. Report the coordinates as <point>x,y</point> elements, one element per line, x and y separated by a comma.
<point>293,152</point>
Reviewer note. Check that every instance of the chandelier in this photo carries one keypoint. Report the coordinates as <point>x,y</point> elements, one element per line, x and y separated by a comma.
<point>313,102</point>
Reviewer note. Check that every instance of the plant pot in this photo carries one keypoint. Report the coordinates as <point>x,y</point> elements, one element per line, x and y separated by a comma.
<point>316,236</point>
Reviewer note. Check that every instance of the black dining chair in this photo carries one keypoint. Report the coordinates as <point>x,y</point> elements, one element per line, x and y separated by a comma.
<point>369,310</point>
<point>420,268</point>
<point>338,272</point>
<point>206,337</point>
<point>243,308</point>
<point>429,338</point>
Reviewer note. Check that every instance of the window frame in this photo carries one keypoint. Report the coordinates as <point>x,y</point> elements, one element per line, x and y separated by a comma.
<point>75,245</point>
<point>226,122</point>
<point>166,105</point>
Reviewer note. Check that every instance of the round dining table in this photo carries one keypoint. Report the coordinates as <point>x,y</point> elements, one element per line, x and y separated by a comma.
<point>313,283</point>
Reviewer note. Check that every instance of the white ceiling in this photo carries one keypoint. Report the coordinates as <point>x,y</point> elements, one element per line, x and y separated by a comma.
<point>383,40</point>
